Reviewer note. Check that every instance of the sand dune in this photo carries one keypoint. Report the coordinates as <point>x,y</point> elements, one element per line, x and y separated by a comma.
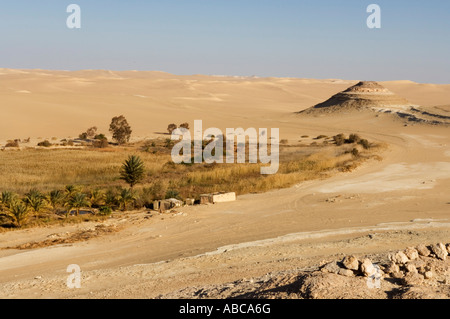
<point>408,187</point>
<point>60,103</point>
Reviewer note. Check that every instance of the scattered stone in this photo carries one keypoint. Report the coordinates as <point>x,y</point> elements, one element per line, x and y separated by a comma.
<point>410,268</point>
<point>392,268</point>
<point>411,253</point>
<point>413,279</point>
<point>367,268</point>
<point>440,251</point>
<point>346,272</point>
<point>397,275</point>
<point>351,262</point>
<point>423,250</point>
<point>331,267</point>
<point>399,258</point>
<point>420,265</point>
<point>428,275</point>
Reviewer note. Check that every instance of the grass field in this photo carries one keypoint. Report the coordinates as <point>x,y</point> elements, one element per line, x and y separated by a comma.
<point>91,168</point>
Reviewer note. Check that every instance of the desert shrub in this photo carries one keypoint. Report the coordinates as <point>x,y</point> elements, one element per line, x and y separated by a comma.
<point>14,143</point>
<point>355,152</point>
<point>172,127</point>
<point>157,190</point>
<point>172,193</point>
<point>353,138</point>
<point>168,143</point>
<point>185,125</point>
<point>83,136</point>
<point>321,137</point>
<point>100,143</point>
<point>284,141</point>
<point>105,211</point>
<point>339,139</point>
<point>44,144</point>
<point>100,137</point>
<point>364,143</point>
<point>145,198</point>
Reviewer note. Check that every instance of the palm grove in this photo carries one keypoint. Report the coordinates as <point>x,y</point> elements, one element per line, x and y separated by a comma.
<point>72,200</point>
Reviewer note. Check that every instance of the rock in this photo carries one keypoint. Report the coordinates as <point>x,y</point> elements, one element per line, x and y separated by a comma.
<point>392,268</point>
<point>411,253</point>
<point>398,275</point>
<point>413,279</point>
<point>428,275</point>
<point>399,258</point>
<point>411,268</point>
<point>440,251</point>
<point>423,250</point>
<point>346,272</point>
<point>367,268</point>
<point>331,267</point>
<point>420,265</point>
<point>351,262</point>
<point>448,249</point>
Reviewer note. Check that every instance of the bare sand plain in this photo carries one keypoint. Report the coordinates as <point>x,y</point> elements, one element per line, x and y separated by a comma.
<point>400,201</point>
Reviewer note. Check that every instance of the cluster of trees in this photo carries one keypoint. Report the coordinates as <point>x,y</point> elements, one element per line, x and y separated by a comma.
<point>172,127</point>
<point>341,139</point>
<point>119,128</point>
<point>72,199</point>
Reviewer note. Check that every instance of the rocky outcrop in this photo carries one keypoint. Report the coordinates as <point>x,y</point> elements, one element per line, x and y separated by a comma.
<point>364,95</point>
<point>373,97</point>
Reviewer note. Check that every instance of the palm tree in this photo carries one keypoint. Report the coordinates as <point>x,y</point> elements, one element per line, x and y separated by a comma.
<point>132,170</point>
<point>126,196</point>
<point>7,198</point>
<point>56,198</point>
<point>18,212</point>
<point>77,201</point>
<point>35,199</point>
<point>71,189</point>
<point>97,198</point>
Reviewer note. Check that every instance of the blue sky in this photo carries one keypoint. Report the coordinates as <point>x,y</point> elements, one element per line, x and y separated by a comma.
<point>281,38</point>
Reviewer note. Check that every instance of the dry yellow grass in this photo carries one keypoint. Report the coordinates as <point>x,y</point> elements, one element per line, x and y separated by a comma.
<point>53,169</point>
<point>47,170</point>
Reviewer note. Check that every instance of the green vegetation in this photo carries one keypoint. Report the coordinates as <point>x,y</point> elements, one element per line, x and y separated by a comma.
<point>41,186</point>
<point>120,129</point>
<point>132,170</point>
